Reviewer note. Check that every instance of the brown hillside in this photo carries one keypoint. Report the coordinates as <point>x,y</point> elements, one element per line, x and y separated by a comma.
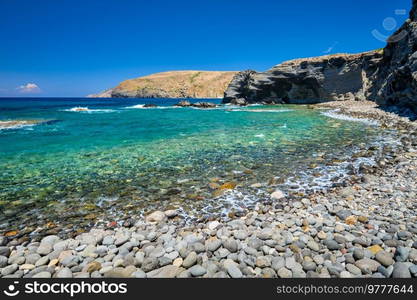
<point>175,84</point>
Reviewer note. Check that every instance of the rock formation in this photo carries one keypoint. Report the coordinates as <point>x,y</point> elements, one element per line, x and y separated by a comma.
<point>309,80</point>
<point>176,84</point>
<point>185,103</point>
<point>387,76</point>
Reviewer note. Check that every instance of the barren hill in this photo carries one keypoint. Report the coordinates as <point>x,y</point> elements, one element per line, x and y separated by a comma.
<point>174,84</point>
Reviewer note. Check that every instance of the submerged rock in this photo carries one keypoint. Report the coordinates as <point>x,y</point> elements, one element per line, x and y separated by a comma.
<point>204,105</point>
<point>277,195</point>
<point>156,216</point>
<point>183,103</point>
<point>150,105</point>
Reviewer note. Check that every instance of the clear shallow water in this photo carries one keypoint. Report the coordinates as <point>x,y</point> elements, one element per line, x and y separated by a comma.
<point>117,158</point>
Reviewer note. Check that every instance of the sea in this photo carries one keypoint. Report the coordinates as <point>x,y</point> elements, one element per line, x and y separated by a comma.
<point>81,161</point>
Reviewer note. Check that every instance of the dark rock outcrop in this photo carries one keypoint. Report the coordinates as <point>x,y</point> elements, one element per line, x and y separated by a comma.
<point>240,102</point>
<point>204,105</point>
<point>310,80</point>
<point>239,87</point>
<point>150,105</point>
<point>183,103</point>
<point>387,76</point>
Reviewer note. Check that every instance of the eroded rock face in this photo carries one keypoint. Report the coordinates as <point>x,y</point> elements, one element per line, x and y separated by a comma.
<point>310,80</point>
<point>387,76</point>
<point>240,87</point>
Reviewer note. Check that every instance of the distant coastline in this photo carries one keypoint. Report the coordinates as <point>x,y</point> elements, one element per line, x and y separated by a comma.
<point>175,84</point>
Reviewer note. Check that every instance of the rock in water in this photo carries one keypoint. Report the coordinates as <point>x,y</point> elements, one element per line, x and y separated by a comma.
<point>239,101</point>
<point>155,217</point>
<point>183,103</point>
<point>204,105</point>
<point>277,195</point>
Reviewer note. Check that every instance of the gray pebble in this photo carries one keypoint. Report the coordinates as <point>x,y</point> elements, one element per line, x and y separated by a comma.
<point>190,260</point>
<point>64,273</point>
<point>332,245</point>
<point>197,270</point>
<point>401,270</point>
<point>234,271</point>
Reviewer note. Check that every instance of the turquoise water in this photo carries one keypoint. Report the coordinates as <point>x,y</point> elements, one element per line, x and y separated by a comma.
<point>118,159</point>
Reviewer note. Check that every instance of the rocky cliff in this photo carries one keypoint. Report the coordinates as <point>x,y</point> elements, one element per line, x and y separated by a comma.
<point>309,80</point>
<point>387,76</point>
<point>176,84</point>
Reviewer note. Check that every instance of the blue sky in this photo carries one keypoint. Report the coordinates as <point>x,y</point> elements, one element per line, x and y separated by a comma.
<point>72,48</point>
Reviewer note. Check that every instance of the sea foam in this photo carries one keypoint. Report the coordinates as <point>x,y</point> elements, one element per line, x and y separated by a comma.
<point>334,114</point>
<point>88,110</point>
<point>263,110</point>
<point>142,106</point>
<point>8,125</point>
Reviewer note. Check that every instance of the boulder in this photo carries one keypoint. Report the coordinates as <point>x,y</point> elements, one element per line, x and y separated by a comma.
<point>204,105</point>
<point>183,103</point>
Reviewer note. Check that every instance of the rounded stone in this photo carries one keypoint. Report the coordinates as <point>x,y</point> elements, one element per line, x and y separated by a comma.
<point>197,270</point>
<point>9,270</point>
<point>44,249</point>
<point>384,258</point>
<point>234,271</point>
<point>367,266</point>
<point>284,273</point>
<point>313,245</point>
<point>401,270</point>
<point>64,273</point>
<point>3,261</point>
<point>240,234</point>
<point>190,260</point>
<point>43,274</point>
<point>155,217</point>
<point>358,253</point>
<point>262,262</point>
<point>345,274</point>
<point>231,245</point>
<point>332,245</point>
<point>309,266</point>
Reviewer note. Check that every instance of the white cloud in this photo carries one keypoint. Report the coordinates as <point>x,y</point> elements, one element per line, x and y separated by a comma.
<point>29,88</point>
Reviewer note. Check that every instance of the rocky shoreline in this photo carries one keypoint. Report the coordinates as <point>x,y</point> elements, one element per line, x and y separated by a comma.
<point>366,228</point>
